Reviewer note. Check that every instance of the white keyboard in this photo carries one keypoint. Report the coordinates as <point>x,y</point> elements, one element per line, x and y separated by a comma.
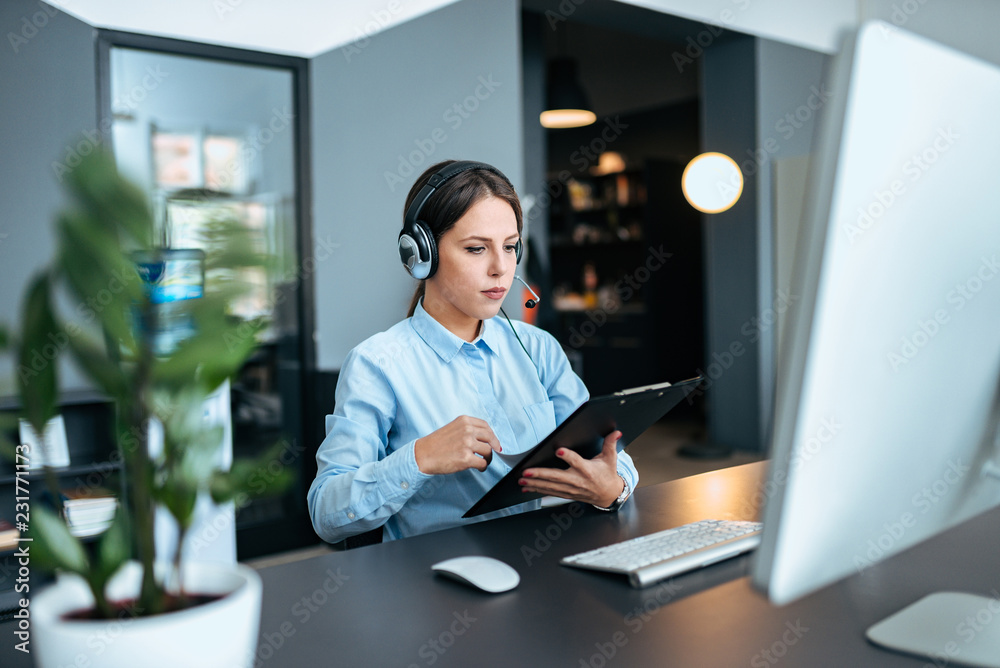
<point>657,556</point>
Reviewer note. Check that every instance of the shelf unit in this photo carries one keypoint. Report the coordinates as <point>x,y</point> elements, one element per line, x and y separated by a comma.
<point>625,257</point>
<point>89,418</point>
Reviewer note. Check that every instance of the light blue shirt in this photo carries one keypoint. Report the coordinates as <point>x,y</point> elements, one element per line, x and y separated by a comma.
<point>403,384</point>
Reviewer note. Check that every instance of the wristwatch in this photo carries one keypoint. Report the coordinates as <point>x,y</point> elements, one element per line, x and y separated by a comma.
<point>617,503</point>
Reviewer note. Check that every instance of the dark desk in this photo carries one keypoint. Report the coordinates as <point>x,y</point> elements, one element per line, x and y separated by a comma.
<point>382,606</point>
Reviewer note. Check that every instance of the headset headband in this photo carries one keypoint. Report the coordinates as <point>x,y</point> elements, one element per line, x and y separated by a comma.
<point>416,245</point>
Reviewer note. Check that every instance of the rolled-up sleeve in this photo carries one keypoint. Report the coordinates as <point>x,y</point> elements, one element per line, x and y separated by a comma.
<point>358,484</point>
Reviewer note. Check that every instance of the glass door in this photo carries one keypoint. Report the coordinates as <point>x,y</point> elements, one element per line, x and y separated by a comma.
<point>214,133</point>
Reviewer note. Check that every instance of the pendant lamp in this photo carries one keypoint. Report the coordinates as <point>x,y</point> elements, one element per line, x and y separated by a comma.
<point>566,104</point>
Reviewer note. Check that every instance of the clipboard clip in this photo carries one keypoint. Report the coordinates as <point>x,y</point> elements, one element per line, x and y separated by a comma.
<point>644,388</point>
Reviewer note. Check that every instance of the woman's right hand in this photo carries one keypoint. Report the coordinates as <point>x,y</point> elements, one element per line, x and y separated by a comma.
<point>464,443</point>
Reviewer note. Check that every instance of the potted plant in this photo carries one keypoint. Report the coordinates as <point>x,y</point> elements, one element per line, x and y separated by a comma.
<point>113,598</point>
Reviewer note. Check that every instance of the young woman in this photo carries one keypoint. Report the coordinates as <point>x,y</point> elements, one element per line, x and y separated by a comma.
<point>429,413</point>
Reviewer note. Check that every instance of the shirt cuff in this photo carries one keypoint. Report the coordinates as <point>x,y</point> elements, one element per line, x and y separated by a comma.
<point>399,475</point>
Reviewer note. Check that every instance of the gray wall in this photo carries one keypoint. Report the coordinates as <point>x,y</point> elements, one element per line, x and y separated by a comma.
<point>732,363</point>
<point>535,155</point>
<point>49,80</point>
<point>791,94</point>
<point>373,108</point>
<point>967,25</point>
<point>760,102</point>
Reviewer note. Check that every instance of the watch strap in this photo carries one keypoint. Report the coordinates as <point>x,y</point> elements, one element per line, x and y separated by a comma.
<point>617,503</point>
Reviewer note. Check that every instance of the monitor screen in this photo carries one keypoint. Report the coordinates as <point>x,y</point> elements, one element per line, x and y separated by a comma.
<point>885,429</point>
<point>172,276</point>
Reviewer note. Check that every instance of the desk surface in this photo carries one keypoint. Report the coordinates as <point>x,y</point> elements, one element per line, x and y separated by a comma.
<point>382,606</point>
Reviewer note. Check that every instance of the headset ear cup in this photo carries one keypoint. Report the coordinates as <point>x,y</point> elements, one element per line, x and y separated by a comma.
<point>432,249</point>
<point>409,255</point>
<point>417,251</point>
<point>518,249</point>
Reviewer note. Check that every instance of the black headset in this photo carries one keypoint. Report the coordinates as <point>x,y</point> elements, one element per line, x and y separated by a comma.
<point>417,248</point>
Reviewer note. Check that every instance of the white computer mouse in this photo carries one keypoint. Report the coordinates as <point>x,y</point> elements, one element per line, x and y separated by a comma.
<point>484,573</point>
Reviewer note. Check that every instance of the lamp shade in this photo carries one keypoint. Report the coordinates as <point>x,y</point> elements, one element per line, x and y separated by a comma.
<point>566,104</point>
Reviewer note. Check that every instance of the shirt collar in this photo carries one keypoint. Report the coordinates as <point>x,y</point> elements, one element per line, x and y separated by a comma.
<point>443,342</point>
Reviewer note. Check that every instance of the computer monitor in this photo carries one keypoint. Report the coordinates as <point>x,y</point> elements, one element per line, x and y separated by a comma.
<point>172,277</point>
<point>888,395</point>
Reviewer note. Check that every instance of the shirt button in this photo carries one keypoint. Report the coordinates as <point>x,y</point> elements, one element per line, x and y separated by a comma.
<point>350,516</point>
<point>404,485</point>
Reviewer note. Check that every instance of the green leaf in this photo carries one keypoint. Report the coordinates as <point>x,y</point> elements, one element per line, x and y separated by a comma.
<point>53,545</point>
<point>8,422</point>
<point>115,546</point>
<point>4,337</point>
<point>217,352</point>
<point>120,206</point>
<point>256,477</point>
<point>38,355</point>
<point>98,366</point>
<point>8,448</point>
<point>178,496</point>
<point>101,276</point>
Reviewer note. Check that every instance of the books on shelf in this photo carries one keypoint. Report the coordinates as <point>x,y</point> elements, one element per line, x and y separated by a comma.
<point>48,449</point>
<point>89,511</point>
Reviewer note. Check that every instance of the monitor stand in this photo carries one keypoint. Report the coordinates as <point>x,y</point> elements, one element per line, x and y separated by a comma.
<point>950,627</point>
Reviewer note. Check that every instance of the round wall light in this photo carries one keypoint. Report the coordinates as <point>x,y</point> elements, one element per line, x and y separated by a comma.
<point>712,182</point>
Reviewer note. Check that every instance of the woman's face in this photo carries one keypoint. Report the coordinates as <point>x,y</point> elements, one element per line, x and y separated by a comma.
<point>476,262</point>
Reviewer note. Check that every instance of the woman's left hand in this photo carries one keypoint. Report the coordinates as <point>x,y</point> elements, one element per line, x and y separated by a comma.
<point>593,481</point>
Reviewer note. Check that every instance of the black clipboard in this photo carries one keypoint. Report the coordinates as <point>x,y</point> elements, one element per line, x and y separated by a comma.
<point>631,411</point>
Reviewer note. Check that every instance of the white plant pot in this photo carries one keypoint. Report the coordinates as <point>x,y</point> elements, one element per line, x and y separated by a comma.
<point>220,634</point>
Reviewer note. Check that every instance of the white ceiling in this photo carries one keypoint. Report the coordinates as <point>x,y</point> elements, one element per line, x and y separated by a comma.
<point>310,27</point>
<point>293,27</point>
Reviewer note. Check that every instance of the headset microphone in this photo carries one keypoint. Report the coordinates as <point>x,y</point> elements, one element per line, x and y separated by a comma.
<point>531,303</point>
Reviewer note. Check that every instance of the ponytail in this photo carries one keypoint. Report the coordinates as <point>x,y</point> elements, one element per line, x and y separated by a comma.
<point>416,299</point>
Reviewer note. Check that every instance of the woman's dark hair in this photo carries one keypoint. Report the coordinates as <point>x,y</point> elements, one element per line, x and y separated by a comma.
<point>453,199</point>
